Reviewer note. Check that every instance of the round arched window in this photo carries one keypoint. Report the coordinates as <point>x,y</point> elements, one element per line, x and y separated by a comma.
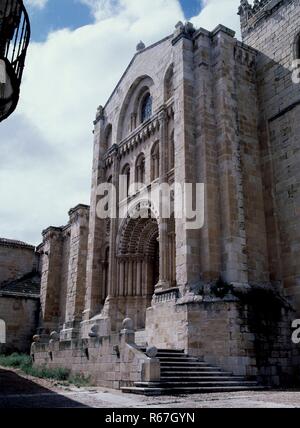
<point>146,110</point>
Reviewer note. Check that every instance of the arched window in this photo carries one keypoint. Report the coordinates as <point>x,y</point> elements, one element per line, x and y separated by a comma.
<point>146,109</point>
<point>108,137</point>
<point>169,83</point>
<point>155,161</point>
<point>2,332</point>
<point>126,173</point>
<point>171,151</point>
<point>140,169</point>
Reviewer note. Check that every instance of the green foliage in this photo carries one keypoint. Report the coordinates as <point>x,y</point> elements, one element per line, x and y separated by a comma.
<point>19,361</point>
<point>79,380</point>
<point>24,363</point>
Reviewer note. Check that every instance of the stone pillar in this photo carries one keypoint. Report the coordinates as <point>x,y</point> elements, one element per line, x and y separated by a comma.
<point>130,277</point>
<point>164,282</point>
<point>121,277</point>
<point>207,158</point>
<point>96,238</point>
<point>113,265</point>
<point>144,278</point>
<point>51,278</point>
<point>234,262</point>
<point>187,239</point>
<point>139,278</point>
<point>79,218</point>
<point>172,266</point>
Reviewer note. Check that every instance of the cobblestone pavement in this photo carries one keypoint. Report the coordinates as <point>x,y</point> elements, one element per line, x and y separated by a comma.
<point>20,391</point>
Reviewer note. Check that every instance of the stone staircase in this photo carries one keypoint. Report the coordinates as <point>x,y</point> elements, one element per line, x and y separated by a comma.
<point>181,374</point>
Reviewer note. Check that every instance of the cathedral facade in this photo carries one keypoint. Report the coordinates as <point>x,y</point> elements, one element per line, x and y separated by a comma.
<point>204,109</point>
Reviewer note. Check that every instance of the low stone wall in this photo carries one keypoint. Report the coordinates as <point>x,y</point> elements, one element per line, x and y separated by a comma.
<point>111,362</point>
<point>16,259</point>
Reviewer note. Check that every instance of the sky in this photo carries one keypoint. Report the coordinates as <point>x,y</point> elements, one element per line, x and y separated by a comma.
<point>78,51</point>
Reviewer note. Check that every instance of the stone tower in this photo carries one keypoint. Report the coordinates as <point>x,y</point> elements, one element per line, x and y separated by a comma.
<point>272,28</point>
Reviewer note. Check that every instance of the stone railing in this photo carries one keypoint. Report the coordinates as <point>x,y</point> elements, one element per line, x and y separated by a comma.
<point>166,295</point>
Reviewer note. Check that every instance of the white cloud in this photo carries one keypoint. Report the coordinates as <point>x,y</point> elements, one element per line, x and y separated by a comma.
<point>40,4</point>
<point>46,146</point>
<point>217,12</point>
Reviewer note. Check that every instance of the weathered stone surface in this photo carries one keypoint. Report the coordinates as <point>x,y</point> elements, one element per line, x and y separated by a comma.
<point>223,113</point>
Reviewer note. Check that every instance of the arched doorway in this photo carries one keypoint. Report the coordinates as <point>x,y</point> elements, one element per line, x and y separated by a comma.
<point>138,266</point>
<point>2,332</point>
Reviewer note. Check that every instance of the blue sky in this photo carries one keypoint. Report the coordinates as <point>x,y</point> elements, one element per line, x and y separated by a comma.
<point>72,14</point>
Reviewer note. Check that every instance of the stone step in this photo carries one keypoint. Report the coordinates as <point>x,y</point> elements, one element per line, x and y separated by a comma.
<point>167,351</point>
<point>184,374</point>
<point>188,390</point>
<point>184,365</point>
<point>184,371</point>
<point>181,359</point>
<point>205,383</point>
<point>216,377</point>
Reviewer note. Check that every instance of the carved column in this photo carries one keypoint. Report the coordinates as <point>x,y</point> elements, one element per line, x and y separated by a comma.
<point>121,277</point>
<point>130,277</point>
<point>139,278</point>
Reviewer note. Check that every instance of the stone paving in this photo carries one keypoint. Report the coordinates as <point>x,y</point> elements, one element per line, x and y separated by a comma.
<point>20,391</point>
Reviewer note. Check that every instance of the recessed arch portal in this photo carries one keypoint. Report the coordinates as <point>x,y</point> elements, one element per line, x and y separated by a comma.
<point>138,263</point>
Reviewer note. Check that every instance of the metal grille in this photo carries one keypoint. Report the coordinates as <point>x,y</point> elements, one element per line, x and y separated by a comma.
<point>14,40</point>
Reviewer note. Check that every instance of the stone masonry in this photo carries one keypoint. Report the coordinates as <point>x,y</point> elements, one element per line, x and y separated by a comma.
<point>19,295</point>
<point>195,107</point>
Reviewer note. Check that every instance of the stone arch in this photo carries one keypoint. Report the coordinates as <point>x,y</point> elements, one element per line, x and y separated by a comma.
<point>2,332</point>
<point>128,117</point>
<point>132,227</point>
<point>169,83</point>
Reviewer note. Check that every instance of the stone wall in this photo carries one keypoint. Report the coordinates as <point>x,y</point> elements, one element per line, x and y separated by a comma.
<point>248,336</point>
<point>16,259</point>
<point>64,260</point>
<point>276,36</point>
<point>20,314</point>
<point>109,361</point>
